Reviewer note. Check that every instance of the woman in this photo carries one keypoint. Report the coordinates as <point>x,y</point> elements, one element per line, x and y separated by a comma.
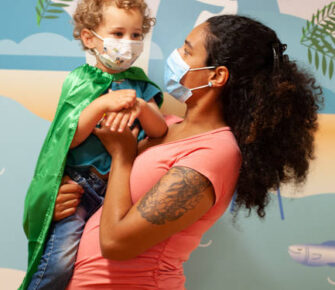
<point>249,125</point>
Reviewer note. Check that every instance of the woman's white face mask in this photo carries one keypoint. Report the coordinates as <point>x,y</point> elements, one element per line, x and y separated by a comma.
<point>118,54</point>
<point>175,69</point>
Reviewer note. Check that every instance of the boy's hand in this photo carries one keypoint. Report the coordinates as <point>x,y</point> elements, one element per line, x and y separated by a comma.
<point>117,121</point>
<point>115,101</point>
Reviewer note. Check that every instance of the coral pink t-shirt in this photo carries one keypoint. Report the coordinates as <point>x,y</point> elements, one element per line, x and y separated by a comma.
<point>216,155</point>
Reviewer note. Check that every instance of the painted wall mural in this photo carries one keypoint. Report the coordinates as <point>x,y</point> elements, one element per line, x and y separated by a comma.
<point>292,249</point>
<point>319,37</point>
<point>315,255</point>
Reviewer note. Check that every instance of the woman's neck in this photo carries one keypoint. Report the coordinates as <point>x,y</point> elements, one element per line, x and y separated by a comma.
<point>201,117</point>
<point>204,113</point>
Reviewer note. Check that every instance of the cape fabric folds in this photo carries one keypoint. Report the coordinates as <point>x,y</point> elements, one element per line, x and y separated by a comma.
<point>80,88</point>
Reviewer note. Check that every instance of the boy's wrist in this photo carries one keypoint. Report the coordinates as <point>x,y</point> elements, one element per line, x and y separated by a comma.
<point>142,105</point>
<point>101,106</point>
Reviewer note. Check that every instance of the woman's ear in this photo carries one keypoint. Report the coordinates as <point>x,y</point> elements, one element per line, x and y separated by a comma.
<point>219,77</point>
<point>87,38</point>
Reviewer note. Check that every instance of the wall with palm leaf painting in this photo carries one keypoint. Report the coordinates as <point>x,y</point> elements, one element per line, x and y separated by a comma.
<point>293,248</point>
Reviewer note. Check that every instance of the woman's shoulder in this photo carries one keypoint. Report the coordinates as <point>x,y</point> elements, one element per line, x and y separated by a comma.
<point>216,139</point>
<point>215,146</point>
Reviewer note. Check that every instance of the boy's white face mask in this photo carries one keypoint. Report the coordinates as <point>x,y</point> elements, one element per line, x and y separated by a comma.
<point>118,54</point>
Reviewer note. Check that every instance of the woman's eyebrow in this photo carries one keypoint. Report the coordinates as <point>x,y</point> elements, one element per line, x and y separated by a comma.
<point>188,44</point>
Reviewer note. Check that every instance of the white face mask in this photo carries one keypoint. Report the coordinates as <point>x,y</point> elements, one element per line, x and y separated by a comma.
<point>175,69</point>
<point>118,54</point>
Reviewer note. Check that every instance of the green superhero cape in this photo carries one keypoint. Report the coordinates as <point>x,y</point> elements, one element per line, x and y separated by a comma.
<point>80,88</point>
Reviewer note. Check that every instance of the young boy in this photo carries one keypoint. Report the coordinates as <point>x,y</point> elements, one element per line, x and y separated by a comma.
<point>113,31</point>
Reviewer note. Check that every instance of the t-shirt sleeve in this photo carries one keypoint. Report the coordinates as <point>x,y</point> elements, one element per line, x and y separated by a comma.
<point>220,163</point>
<point>149,91</point>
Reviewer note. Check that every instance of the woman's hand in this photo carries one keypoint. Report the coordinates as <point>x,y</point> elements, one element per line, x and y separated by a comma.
<point>118,143</point>
<point>68,198</point>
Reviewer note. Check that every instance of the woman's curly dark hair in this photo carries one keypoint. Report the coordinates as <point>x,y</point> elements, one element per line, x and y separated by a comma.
<point>270,106</point>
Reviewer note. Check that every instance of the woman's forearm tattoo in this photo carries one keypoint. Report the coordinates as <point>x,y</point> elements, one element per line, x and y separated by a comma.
<point>179,191</point>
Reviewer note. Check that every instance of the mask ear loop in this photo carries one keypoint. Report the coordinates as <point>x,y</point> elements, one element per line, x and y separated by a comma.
<point>204,86</point>
<point>94,51</point>
<point>202,68</point>
<point>97,35</point>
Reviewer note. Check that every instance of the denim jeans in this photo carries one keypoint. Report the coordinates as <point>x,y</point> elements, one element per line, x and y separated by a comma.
<point>57,262</point>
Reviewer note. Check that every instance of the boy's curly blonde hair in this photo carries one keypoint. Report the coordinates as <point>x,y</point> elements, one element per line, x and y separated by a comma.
<point>89,14</point>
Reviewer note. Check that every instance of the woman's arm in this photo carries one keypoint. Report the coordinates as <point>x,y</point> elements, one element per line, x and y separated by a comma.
<point>92,114</point>
<point>179,199</point>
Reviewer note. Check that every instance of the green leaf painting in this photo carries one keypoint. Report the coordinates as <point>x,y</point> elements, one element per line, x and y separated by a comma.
<point>46,9</point>
<point>318,36</point>
<point>331,68</point>
<point>316,60</point>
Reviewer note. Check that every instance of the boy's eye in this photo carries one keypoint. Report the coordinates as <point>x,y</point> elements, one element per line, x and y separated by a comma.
<point>118,34</point>
<point>137,36</point>
<point>186,52</point>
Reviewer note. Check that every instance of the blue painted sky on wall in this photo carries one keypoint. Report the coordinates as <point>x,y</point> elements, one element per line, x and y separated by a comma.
<point>58,50</point>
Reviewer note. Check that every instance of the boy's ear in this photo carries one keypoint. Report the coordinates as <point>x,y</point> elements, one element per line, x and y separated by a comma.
<point>87,38</point>
<point>219,77</point>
